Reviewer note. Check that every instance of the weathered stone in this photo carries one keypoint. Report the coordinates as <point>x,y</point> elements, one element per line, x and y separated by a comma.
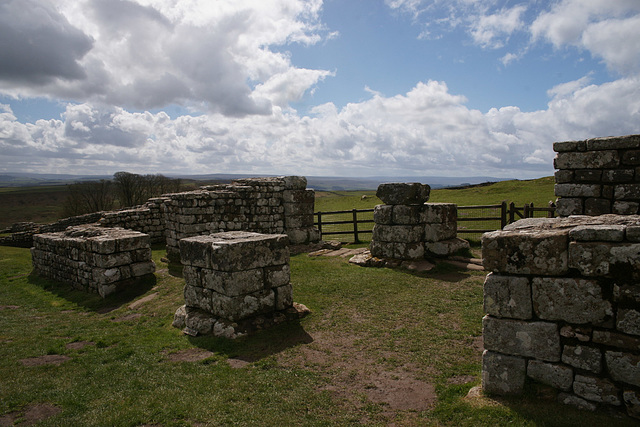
<point>403,193</point>
<point>596,389</point>
<point>582,357</point>
<point>587,175</point>
<point>437,213</point>
<point>539,252</point>
<point>624,367</point>
<point>560,147</point>
<point>502,374</point>
<point>200,322</point>
<point>622,207</point>
<point>445,248</point>
<point>605,259</point>
<point>406,214</point>
<point>627,192</point>
<point>631,157</point>
<point>571,300</point>
<point>276,276</point>
<point>294,182</point>
<point>557,376</point>
<point>398,233</point>
<point>233,283</point>
<point>618,175</point>
<point>613,142</point>
<point>283,296</point>
<point>578,190</point>
<point>587,160</point>
<point>578,402</point>
<point>237,251</point>
<point>569,206</point>
<point>594,233</point>
<point>383,214</point>
<point>507,296</point>
<point>581,333</point>
<point>564,176</point>
<point>249,305</point>
<point>632,402</point>
<point>626,293</point>
<point>438,232</point>
<point>539,340</point>
<point>596,207</point>
<point>197,297</point>
<point>628,321</point>
<point>616,339</point>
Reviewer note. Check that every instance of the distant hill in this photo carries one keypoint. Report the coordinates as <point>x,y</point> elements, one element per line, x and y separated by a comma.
<point>321,183</point>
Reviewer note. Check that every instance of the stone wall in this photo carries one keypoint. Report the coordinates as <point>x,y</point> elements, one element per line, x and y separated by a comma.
<point>407,228</point>
<point>279,205</point>
<point>94,259</point>
<point>148,218</point>
<point>562,306</point>
<point>22,232</point>
<point>598,176</point>
<point>234,281</point>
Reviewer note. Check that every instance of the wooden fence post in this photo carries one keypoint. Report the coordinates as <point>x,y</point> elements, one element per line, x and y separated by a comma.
<point>503,215</point>
<point>355,227</point>
<point>320,223</point>
<point>512,212</point>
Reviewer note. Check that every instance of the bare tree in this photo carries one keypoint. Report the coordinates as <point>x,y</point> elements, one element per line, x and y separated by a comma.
<point>134,189</point>
<point>88,197</point>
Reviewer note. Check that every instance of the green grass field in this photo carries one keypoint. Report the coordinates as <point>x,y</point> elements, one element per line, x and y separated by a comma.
<point>381,346</point>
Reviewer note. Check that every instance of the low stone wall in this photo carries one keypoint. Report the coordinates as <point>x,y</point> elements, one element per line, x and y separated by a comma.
<point>91,258</point>
<point>598,176</point>
<point>234,282</point>
<point>148,218</point>
<point>279,205</point>
<point>562,307</point>
<point>407,228</point>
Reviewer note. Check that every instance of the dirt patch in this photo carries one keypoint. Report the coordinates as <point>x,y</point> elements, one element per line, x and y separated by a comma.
<point>132,316</point>
<point>79,345</point>
<point>31,415</point>
<point>189,355</point>
<point>9,307</point>
<point>460,379</point>
<point>401,391</point>
<point>142,301</point>
<point>237,363</point>
<point>49,359</point>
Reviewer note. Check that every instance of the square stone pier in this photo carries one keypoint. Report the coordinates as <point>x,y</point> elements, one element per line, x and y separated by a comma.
<point>235,282</point>
<point>562,306</point>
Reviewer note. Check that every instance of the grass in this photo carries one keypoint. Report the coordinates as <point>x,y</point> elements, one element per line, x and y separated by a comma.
<point>371,332</point>
<point>41,204</point>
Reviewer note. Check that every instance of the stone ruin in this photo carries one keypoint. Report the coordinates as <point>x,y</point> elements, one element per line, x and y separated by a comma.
<point>279,205</point>
<point>598,176</point>
<point>95,259</point>
<point>235,282</point>
<point>562,301</point>
<point>408,228</point>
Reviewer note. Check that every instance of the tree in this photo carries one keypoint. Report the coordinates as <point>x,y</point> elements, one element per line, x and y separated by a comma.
<point>134,189</point>
<point>89,196</point>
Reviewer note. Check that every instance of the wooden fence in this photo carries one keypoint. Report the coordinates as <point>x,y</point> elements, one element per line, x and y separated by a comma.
<point>472,220</point>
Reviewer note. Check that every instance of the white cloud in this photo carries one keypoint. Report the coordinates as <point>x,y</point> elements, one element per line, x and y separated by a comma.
<point>490,30</point>
<point>208,56</point>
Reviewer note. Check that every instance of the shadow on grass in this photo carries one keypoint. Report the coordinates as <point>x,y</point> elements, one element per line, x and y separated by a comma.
<point>259,345</point>
<point>91,301</point>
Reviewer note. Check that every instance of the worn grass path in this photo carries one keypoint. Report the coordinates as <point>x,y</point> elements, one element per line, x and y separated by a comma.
<point>381,347</point>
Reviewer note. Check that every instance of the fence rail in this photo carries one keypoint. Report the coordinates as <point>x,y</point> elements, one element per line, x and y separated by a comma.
<point>472,220</point>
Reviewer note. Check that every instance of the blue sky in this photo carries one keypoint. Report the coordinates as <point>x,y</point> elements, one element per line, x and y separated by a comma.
<point>348,88</point>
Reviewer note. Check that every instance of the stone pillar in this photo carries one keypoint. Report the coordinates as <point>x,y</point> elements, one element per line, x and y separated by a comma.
<point>562,307</point>
<point>407,228</point>
<point>235,282</point>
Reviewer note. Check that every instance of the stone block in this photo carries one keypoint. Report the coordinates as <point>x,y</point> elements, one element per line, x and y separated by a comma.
<point>438,232</point>
<point>564,176</point>
<point>621,207</point>
<point>575,401</point>
<point>627,192</point>
<point>578,190</point>
<point>561,147</point>
<point>277,276</point>
<point>540,252</point>
<point>616,339</point>
<point>436,213</point>
<point>628,321</point>
<point>633,233</point>
<point>583,357</point>
<point>403,193</point>
<point>507,296</point>
<point>595,233</point>
<point>595,259</point>
<point>139,269</point>
<point>569,206</point>
<point>606,159</point>
<point>631,157</point>
<point>383,214</point>
<point>595,207</point>
<point>623,367</point>
<point>445,248</point>
<point>632,402</point>
<point>618,175</point>
<point>197,297</point>
<point>626,293</point>
<point>554,375</point>
<point>235,309</point>
<point>568,299</point>
<point>407,214</point>
<point>233,283</point>
<point>588,175</point>
<point>294,182</point>
<point>298,196</point>
<point>238,250</point>
<point>539,340</point>
<point>581,333</point>
<point>502,374</point>
<point>398,233</point>
<point>596,389</point>
<point>283,296</point>
<point>613,142</point>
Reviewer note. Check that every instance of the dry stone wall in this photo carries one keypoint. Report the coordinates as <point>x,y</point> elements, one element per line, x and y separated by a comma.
<point>408,228</point>
<point>598,176</point>
<point>91,258</point>
<point>148,218</point>
<point>562,306</point>
<point>281,205</point>
<point>234,281</point>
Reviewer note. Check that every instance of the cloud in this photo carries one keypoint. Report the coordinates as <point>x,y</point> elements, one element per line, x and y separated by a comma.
<point>205,56</point>
<point>489,30</point>
<point>39,45</point>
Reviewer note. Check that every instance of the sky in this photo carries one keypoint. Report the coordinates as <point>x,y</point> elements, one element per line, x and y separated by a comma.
<point>351,88</point>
